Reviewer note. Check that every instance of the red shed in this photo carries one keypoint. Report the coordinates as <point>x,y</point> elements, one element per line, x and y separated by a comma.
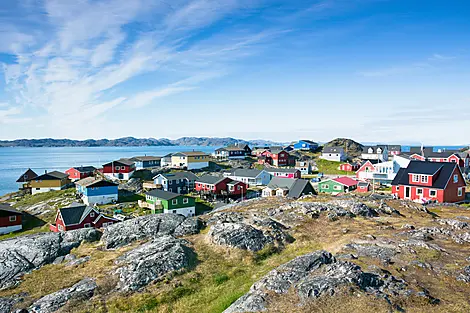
<point>10,219</point>
<point>79,216</point>
<point>77,173</point>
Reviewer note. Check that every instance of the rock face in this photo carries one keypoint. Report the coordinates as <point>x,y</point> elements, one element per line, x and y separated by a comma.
<point>149,226</point>
<point>82,291</point>
<point>311,275</point>
<point>251,233</point>
<point>23,254</point>
<point>151,261</point>
<point>7,303</point>
<point>384,253</point>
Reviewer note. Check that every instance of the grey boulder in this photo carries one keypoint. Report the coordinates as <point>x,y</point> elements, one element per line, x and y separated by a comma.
<point>82,290</point>
<point>148,227</point>
<point>25,253</point>
<point>152,261</point>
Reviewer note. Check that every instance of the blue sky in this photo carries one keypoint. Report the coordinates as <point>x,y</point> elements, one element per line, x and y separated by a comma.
<point>373,70</point>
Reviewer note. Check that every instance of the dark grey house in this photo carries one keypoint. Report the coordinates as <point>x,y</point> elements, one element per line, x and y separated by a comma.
<point>178,182</point>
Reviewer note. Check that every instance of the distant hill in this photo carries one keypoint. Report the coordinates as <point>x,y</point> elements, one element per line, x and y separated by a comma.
<point>130,142</point>
<point>352,147</point>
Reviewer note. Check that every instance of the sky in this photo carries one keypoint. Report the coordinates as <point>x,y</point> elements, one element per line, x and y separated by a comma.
<point>395,71</point>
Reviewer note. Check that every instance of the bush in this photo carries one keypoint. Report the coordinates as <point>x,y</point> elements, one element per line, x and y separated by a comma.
<point>220,278</point>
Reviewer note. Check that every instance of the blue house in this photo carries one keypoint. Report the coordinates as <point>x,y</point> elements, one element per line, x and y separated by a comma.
<point>97,191</point>
<point>142,162</point>
<point>178,182</point>
<point>306,145</point>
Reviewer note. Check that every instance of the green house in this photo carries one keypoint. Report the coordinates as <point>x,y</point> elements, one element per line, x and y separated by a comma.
<point>160,201</point>
<point>338,185</point>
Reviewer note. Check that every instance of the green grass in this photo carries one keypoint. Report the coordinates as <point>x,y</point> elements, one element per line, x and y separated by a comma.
<point>202,206</point>
<point>29,200</point>
<point>330,167</point>
<point>130,198</point>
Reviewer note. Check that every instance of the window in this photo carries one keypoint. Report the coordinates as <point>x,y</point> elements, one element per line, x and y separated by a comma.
<point>174,201</point>
<point>419,191</point>
<point>460,192</point>
<point>38,188</point>
<point>87,225</point>
<point>415,178</point>
<point>239,187</point>
<point>456,178</point>
<point>398,188</point>
<point>92,214</point>
<point>185,200</point>
<point>117,168</point>
<point>424,178</point>
<point>12,218</point>
<point>337,187</point>
<point>432,193</point>
<point>170,182</point>
<point>325,186</point>
<point>174,211</point>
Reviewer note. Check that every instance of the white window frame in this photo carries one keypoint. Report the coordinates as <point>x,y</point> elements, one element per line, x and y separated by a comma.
<point>174,201</point>
<point>12,218</point>
<point>456,178</point>
<point>419,191</point>
<point>325,186</point>
<point>337,187</point>
<point>92,214</point>
<point>460,192</point>
<point>433,191</point>
<point>424,178</point>
<point>185,200</point>
<point>87,225</point>
<point>415,178</point>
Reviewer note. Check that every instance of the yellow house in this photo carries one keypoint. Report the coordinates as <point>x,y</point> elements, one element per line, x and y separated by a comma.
<point>49,181</point>
<point>191,160</point>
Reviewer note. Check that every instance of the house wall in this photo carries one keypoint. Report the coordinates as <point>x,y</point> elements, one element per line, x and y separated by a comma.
<point>187,211</point>
<point>103,219</point>
<point>103,199</point>
<point>122,176</point>
<point>168,204</point>
<point>100,191</point>
<point>9,229</point>
<point>46,189</point>
<point>5,221</point>
<point>337,157</point>
<point>330,186</point>
<point>238,191</point>
<point>76,175</point>
<point>123,169</point>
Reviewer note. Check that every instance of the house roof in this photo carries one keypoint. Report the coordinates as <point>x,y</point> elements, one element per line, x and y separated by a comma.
<point>281,182</point>
<point>308,141</point>
<point>442,170</point>
<point>190,153</point>
<point>52,176</point>
<point>178,175</point>
<point>277,150</point>
<point>365,149</point>
<point>242,172</point>
<point>280,170</point>
<point>210,179</point>
<point>363,184</point>
<point>347,181</point>
<point>74,213</point>
<point>127,162</point>
<point>333,150</point>
<point>5,207</point>
<point>394,148</point>
<point>146,158</point>
<point>92,181</point>
<point>443,154</point>
<point>85,169</point>
<point>295,186</point>
<point>27,176</point>
<point>167,155</point>
<point>161,194</point>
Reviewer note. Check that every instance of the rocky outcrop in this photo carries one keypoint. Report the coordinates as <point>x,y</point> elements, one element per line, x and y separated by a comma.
<point>312,275</point>
<point>248,232</point>
<point>152,261</point>
<point>148,227</point>
<point>383,252</point>
<point>23,254</point>
<point>7,304</point>
<point>81,291</point>
<point>465,275</point>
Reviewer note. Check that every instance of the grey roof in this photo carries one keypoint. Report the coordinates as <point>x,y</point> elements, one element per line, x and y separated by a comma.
<point>52,176</point>
<point>161,194</point>
<point>27,176</point>
<point>190,153</point>
<point>241,172</point>
<point>74,213</point>
<point>442,154</point>
<point>365,149</point>
<point>334,149</point>
<point>127,162</point>
<point>92,181</point>
<point>279,182</point>
<point>146,158</point>
<point>85,169</point>
<point>277,150</point>
<point>178,175</point>
<point>7,208</point>
<point>363,184</point>
<point>295,186</point>
<point>280,170</point>
<point>444,172</point>
<point>210,179</point>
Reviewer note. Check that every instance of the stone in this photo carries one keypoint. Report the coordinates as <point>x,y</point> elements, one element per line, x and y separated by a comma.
<point>7,303</point>
<point>190,226</point>
<point>465,275</point>
<point>148,227</point>
<point>152,261</point>
<point>312,275</point>
<point>384,253</point>
<point>455,224</point>
<point>78,261</point>
<point>82,291</point>
<point>239,235</point>
<point>22,254</point>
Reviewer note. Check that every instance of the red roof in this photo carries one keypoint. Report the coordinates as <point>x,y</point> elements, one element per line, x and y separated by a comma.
<point>346,181</point>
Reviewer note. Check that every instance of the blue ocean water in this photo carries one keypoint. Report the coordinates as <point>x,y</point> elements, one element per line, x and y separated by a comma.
<point>14,161</point>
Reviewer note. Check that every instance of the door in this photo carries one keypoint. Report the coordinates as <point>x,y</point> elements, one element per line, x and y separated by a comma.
<point>407,192</point>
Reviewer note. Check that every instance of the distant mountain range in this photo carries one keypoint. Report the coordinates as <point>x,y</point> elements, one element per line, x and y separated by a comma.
<point>132,142</point>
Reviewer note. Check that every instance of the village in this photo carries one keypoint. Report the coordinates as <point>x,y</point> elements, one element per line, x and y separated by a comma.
<point>191,183</point>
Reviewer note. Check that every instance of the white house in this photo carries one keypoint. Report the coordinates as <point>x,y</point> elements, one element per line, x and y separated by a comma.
<point>336,154</point>
<point>383,172</point>
<point>379,152</point>
<point>252,177</point>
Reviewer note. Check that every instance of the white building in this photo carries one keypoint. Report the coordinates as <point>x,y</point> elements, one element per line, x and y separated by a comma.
<point>252,177</point>
<point>336,154</point>
<point>383,172</point>
<point>379,153</point>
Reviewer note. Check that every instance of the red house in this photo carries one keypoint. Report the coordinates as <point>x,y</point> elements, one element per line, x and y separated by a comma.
<point>460,158</point>
<point>275,157</point>
<point>10,219</point>
<point>363,186</point>
<point>284,172</point>
<point>77,173</point>
<point>349,167</point>
<point>214,185</point>
<point>79,216</point>
<point>424,181</point>
<point>120,169</point>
